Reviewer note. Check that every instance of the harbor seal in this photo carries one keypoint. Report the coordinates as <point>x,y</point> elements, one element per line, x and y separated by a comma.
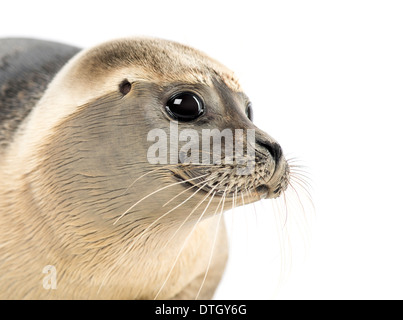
<point>85,213</point>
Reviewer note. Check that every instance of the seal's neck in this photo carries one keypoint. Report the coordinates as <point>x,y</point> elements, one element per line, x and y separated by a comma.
<point>108,262</point>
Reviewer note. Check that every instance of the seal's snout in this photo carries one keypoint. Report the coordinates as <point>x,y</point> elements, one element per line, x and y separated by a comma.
<point>272,167</point>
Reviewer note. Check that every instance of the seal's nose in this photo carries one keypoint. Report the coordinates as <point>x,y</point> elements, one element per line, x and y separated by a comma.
<point>272,147</point>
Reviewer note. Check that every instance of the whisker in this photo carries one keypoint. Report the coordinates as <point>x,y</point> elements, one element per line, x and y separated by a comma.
<point>302,222</point>
<point>298,198</point>
<point>302,175</point>
<point>306,181</point>
<point>286,211</point>
<point>214,242</point>
<point>154,192</point>
<point>145,174</point>
<point>183,246</point>
<point>288,236</point>
<point>191,187</point>
<point>253,204</point>
<point>306,185</point>
<point>138,237</point>
<point>280,233</point>
<point>305,190</point>
<point>283,234</point>
<point>177,206</point>
<point>234,205</point>
<point>295,161</point>
<point>243,200</point>
<point>190,214</point>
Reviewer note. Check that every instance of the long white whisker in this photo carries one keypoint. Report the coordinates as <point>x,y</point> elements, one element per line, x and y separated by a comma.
<point>177,206</point>
<point>196,184</point>
<point>154,192</point>
<point>138,237</point>
<point>183,246</point>
<point>234,204</point>
<point>143,175</point>
<point>305,191</point>
<point>253,204</point>
<point>190,214</point>
<point>213,246</point>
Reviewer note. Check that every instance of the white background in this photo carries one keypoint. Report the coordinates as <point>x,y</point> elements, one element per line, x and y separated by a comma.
<point>326,80</point>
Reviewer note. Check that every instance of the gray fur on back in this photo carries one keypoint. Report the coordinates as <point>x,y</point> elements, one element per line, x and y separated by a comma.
<point>26,68</point>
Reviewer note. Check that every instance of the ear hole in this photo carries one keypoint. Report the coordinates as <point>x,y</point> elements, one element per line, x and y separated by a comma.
<point>125,87</point>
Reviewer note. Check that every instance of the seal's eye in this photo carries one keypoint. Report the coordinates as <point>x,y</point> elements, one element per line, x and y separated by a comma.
<point>249,111</point>
<point>185,106</point>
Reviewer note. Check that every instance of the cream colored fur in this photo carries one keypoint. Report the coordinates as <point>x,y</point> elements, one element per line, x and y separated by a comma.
<point>66,180</point>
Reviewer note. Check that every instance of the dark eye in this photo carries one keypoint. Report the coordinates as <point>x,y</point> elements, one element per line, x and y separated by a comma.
<point>185,106</point>
<point>249,111</point>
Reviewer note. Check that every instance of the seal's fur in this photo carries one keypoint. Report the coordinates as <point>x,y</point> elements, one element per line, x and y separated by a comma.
<point>74,160</point>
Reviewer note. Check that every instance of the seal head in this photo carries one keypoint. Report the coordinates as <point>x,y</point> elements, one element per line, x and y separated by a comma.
<point>88,187</point>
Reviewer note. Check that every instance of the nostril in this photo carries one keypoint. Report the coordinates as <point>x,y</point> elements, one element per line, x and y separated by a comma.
<point>274,149</point>
<point>276,152</point>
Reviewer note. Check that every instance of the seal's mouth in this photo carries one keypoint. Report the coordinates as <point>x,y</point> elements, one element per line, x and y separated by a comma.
<point>263,190</point>
<point>224,182</point>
